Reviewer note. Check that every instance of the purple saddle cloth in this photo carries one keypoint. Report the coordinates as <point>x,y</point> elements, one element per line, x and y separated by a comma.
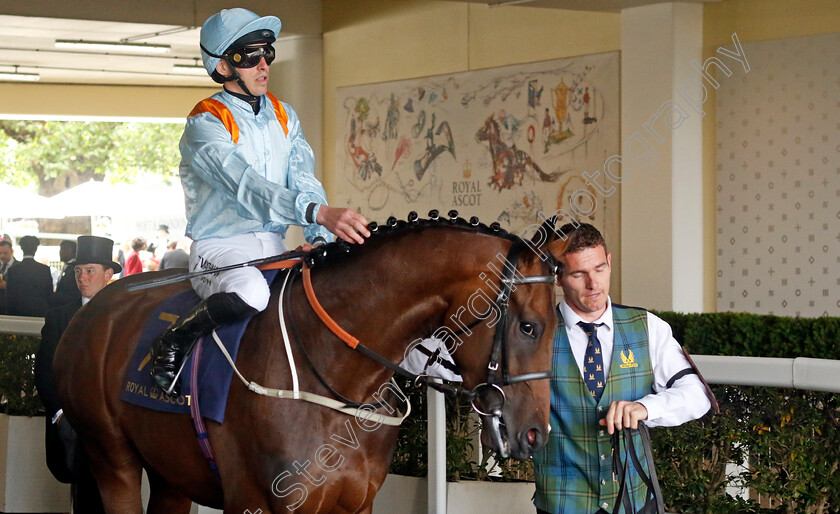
<point>214,372</point>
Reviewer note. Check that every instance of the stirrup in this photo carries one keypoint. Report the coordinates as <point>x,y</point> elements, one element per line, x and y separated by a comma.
<point>173,388</point>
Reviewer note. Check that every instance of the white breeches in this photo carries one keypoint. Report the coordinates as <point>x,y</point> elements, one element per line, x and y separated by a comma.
<point>247,282</point>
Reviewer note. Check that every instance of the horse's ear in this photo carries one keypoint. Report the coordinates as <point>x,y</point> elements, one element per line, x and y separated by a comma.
<point>556,248</point>
<point>546,233</point>
<point>548,243</point>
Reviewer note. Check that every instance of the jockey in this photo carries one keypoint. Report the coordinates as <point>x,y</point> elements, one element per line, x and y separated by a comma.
<point>247,174</point>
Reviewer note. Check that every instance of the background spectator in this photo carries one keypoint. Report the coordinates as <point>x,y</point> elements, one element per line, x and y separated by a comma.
<point>7,260</point>
<point>174,258</point>
<point>160,243</point>
<point>66,290</point>
<point>133,263</point>
<point>29,284</point>
<point>65,457</point>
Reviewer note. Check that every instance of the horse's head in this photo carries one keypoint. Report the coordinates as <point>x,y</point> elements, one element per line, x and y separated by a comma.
<point>487,295</point>
<point>486,131</point>
<point>507,359</point>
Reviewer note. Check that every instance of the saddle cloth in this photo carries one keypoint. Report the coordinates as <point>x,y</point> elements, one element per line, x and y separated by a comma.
<point>214,371</point>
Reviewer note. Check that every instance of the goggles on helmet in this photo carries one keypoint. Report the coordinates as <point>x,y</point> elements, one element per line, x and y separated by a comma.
<point>249,56</point>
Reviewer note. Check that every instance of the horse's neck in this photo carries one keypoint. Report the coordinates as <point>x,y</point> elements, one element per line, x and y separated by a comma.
<point>389,300</point>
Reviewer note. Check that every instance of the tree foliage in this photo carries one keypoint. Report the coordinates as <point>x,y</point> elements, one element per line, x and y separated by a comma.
<point>57,155</point>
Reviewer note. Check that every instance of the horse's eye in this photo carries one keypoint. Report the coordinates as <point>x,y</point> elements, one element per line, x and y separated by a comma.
<point>527,328</point>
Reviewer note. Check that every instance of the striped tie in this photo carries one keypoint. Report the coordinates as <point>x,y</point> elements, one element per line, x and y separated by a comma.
<point>593,361</point>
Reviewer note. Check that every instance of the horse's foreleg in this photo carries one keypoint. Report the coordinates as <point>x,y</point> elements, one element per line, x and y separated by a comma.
<point>118,474</point>
<point>164,498</point>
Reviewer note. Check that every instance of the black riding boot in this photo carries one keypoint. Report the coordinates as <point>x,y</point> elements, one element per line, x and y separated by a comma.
<point>170,350</point>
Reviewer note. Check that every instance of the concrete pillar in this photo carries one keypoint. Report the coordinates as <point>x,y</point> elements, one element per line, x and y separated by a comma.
<point>297,79</point>
<point>661,112</point>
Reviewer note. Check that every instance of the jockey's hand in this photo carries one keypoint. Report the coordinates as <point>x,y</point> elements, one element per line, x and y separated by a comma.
<point>344,223</point>
<point>624,415</point>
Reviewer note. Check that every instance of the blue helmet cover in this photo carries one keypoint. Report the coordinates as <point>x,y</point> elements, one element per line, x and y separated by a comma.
<point>225,27</point>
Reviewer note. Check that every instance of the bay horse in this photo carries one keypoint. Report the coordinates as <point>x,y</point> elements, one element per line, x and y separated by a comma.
<point>510,164</point>
<point>408,280</point>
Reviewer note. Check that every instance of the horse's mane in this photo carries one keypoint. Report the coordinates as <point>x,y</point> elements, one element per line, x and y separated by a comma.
<point>338,251</point>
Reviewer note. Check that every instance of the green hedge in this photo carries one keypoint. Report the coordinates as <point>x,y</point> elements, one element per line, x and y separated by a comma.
<point>751,335</point>
<point>17,375</point>
<point>790,438</point>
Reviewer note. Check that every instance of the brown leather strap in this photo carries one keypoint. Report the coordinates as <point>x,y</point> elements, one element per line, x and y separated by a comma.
<point>290,263</point>
<point>351,341</point>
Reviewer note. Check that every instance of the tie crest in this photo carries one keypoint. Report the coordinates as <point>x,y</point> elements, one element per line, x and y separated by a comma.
<point>594,381</point>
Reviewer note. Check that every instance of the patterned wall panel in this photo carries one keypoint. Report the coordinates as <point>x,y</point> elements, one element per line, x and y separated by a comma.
<point>778,180</point>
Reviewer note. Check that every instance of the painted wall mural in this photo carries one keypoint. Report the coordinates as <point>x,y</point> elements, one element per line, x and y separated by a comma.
<point>503,144</point>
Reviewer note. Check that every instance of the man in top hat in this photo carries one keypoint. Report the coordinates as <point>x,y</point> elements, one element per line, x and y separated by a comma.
<point>159,244</point>
<point>93,269</point>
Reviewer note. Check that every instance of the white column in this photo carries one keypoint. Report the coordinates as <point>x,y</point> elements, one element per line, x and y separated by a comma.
<point>297,79</point>
<point>437,451</point>
<point>662,104</point>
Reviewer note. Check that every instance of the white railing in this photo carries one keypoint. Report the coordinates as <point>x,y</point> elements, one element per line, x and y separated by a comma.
<point>799,373</point>
<point>21,325</point>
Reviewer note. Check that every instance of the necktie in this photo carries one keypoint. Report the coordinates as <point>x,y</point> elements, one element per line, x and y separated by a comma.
<point>593,361</point>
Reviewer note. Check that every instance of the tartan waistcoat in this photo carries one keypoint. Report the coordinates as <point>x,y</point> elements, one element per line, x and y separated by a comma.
<point>574,472</point>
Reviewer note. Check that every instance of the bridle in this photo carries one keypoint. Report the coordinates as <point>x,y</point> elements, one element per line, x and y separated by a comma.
<point>499,353</point>
<point>488,398</point>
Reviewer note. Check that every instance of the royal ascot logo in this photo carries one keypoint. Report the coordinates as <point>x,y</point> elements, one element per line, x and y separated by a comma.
<point>629,360</point>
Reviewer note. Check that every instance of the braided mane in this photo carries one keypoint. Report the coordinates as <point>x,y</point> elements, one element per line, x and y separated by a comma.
<point>335,252</point>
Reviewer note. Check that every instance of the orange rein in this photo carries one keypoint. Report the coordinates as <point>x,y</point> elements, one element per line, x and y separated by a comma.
<point>286,264</point>
<point>351,341</point>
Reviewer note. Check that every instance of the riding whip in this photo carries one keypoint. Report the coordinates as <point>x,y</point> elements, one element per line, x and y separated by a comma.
<point>156,282</point>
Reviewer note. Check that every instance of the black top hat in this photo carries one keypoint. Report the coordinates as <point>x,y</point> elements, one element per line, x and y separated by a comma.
<point>96,250</point>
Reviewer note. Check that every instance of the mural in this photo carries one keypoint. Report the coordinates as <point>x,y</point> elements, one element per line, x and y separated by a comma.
<point>502,144</point>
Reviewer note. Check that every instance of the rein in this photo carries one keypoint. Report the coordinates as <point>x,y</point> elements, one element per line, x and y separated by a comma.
<point>654,503</point>
<point>350,409</point>
<point>493,385</point>
<point>489,392</point>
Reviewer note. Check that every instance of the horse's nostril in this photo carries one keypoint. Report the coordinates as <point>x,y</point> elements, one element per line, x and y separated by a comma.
<point>532,436</point>
<point>531,439</point>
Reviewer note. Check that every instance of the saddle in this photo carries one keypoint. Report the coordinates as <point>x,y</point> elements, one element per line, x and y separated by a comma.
<point>214,373</point>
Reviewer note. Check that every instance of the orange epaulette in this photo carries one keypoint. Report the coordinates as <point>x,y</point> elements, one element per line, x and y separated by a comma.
<point>221,111</point>
<point>282,117</point>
